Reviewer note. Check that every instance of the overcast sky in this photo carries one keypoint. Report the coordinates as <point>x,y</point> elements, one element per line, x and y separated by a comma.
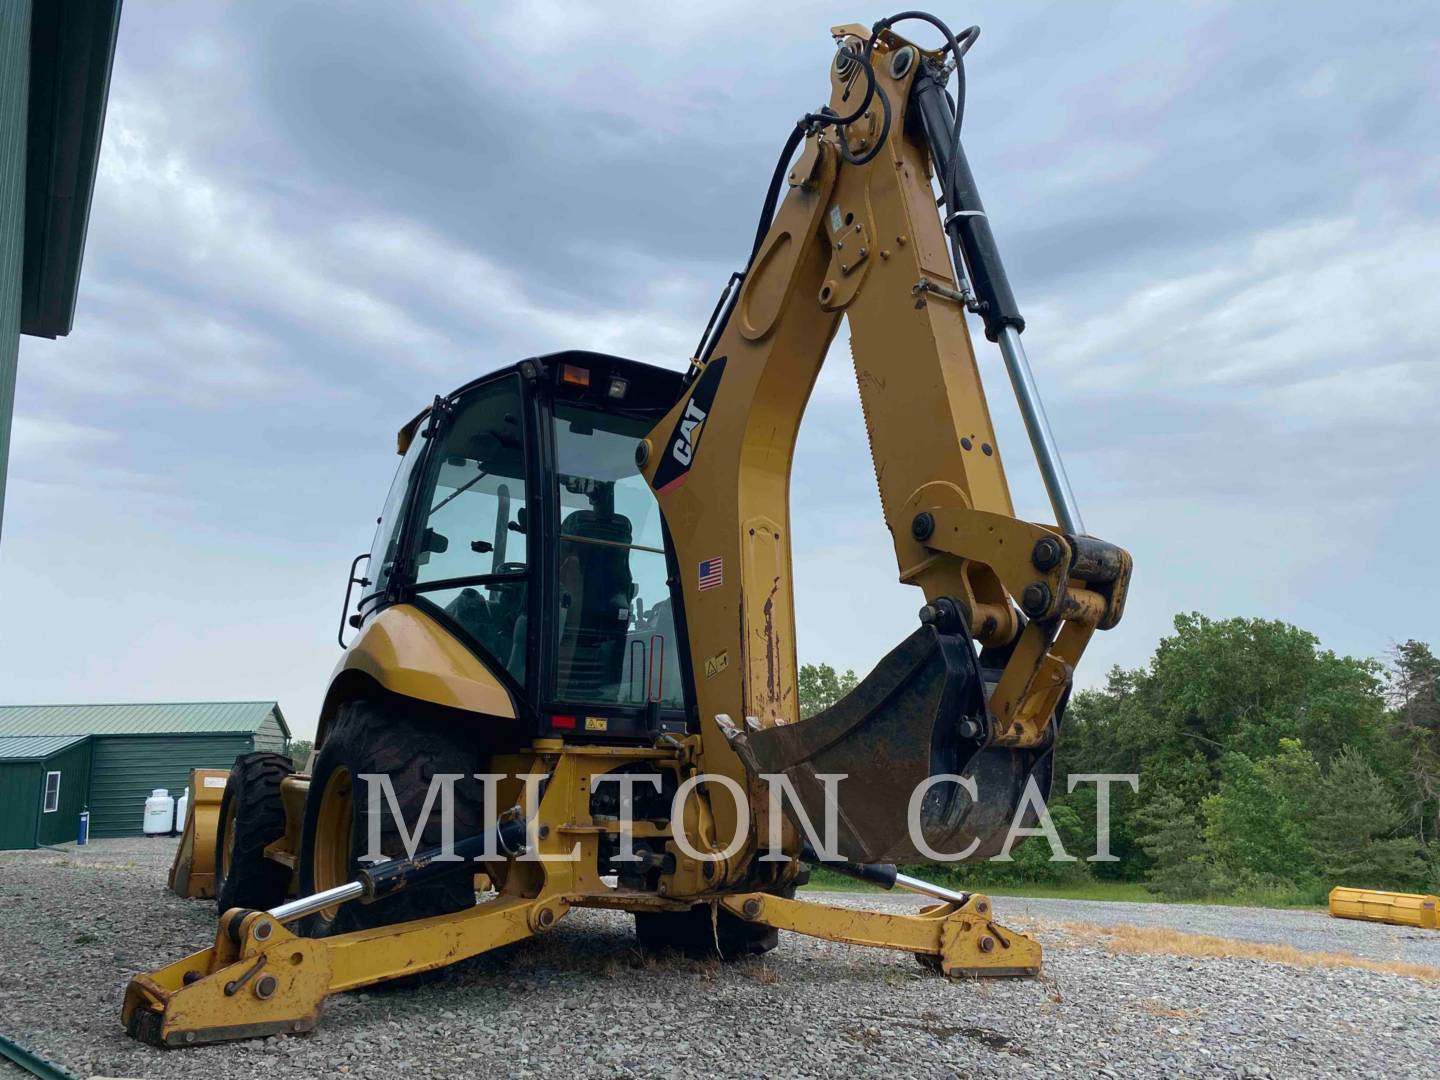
<point>1222,221</point>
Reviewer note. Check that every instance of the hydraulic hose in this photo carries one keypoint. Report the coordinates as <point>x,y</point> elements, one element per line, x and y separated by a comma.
<point>956,46</point>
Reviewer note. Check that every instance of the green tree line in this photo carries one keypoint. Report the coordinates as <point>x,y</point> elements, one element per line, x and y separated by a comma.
<point>1270,769</point>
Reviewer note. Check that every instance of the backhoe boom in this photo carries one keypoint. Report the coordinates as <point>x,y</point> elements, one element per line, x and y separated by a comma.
<point>858,235</point>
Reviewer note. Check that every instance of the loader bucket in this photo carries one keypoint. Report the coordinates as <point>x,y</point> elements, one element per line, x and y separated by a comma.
<point>899,727</point>
<point>192,874</point>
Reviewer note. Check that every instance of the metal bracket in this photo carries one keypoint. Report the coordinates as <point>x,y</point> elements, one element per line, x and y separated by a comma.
<point>963,295</point>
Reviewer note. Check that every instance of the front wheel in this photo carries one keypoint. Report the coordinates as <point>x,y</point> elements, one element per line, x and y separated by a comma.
<point>252,816</point>
<point>369,738</point>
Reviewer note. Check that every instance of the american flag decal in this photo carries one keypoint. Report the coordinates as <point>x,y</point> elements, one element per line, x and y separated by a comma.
<point>712,573</point>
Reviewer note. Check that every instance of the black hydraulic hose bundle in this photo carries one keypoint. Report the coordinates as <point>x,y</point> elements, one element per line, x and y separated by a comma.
<point>812,121</point>
<point>966,225</point>
<point>804,126</point>
<point>952,46</point>
<point>772,194</point>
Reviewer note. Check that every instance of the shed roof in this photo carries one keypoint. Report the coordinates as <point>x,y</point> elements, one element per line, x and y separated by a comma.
<point>159,718</point>
<point>35,747</point>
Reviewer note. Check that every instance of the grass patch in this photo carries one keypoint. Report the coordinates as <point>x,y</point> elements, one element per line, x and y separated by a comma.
<point>822,880</point>
<point>1132,892</point>
<point>1114,891</point>
<point>1150,940</point>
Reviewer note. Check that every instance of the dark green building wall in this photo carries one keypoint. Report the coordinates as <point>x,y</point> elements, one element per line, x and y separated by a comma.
<point>20,793</point>
<point>14,107</point>
<point>126,768</point>
<point>73,765</point>
<point>23,821</point>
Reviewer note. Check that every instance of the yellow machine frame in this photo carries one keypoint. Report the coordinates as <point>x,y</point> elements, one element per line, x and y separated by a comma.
<point>260,979</point>
<point>863,241</point>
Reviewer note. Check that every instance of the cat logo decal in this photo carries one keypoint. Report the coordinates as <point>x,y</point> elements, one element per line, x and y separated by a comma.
<point>684,441</point>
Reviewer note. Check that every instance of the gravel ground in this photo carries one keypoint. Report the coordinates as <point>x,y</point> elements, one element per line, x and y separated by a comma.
<point>1313,931</point>
<point>582,1002</point>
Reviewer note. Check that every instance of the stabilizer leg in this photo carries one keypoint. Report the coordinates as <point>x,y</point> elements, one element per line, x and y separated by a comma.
<point>259,979</point>
<point>959,939</point>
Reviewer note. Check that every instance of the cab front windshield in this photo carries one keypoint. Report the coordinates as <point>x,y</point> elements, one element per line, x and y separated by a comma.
<point>614,625</point>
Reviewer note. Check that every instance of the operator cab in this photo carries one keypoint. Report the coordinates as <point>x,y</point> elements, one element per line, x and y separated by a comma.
<point>519,520</point>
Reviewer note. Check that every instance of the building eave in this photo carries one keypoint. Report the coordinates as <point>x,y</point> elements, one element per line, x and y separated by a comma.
<point>72,51</point>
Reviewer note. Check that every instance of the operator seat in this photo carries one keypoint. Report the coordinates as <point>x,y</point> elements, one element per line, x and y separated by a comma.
<point>507,612</point>
<point>596,588</point>
<point>471,611</point>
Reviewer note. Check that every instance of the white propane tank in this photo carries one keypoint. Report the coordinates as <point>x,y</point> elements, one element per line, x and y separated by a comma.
<point>159,813</point>
<point>181,805</point>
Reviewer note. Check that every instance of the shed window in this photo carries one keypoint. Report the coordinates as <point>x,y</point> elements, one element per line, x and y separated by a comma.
<point>52,792</point>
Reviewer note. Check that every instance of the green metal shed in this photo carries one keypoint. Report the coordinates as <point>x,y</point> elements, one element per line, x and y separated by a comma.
<point>132,750</point>
<point>43,785</point>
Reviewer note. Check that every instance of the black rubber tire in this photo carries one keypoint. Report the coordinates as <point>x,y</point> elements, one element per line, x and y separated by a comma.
<point>377,737</point>
<point>252,794</point>
<point>700,935</point>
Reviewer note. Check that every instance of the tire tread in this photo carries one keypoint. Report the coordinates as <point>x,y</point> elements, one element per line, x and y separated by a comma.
<point>255,881</point>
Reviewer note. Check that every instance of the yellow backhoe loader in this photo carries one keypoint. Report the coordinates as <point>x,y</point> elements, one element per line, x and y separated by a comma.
<point>573,665</point>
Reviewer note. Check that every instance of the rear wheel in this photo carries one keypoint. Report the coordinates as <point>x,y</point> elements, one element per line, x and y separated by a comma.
<point>704,932</point>
<point>251,817</point>
<point>370,737</point>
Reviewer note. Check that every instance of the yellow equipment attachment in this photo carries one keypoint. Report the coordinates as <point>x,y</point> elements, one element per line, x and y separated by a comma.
<point>1397,909</point>
<point>192,874</point>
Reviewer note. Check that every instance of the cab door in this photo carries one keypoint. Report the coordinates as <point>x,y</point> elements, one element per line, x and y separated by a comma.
<point>467,553</point>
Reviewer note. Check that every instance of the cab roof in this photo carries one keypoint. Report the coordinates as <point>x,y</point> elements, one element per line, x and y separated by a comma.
<point>657,387</point>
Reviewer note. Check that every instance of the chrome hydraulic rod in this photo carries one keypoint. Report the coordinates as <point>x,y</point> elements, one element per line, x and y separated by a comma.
<point>1042,439</point>
<point>924,888</point>
<point>505,840</point>
<point>308,905</point>
<point>883,874</point>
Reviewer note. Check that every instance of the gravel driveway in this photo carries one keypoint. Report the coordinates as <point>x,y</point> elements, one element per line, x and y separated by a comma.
<point>582,1002</point>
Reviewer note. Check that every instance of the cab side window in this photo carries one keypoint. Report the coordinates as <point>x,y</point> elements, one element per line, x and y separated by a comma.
<point>615,631</point>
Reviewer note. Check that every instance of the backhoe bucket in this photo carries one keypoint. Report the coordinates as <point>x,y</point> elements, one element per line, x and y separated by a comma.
<point>898,728</point>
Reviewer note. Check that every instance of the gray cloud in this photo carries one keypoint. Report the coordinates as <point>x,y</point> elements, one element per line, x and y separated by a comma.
<point>1221,219</point>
